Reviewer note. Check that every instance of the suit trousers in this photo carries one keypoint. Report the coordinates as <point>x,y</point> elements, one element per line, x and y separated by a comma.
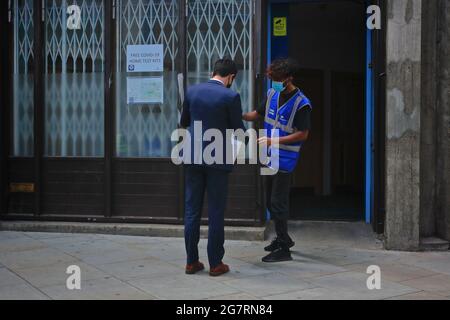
<point>201,179</point>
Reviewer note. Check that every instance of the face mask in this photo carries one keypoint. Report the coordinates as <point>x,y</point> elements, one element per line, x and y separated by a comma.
<point>278,86</point>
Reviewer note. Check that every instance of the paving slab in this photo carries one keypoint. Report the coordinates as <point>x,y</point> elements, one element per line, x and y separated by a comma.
<point>79,246</point>
<point>239,250</point>
<point>316,294</point>
<point>165,251</point>
<point>300,267</point>
<point>5,235</point>
<point>357,283</point>
<point>58,235</point>
<point>34,258</point>
<point>334,234</point>
<point>184,287</point>
<point>236,297</point>
<point>8,278</point>
<point>422,295</point>
<point>397,272</point>
<point>95,252</point>
<point>270,283</point>
<point>305,269</point>
<point>111,256</point>
<point>138,269</point>
<point>437,284</point>
<point>56,274</point>
<point>243,270</point>
<point>145,241</point>
<point>20,244</point>
<point>21,292</point>
<point>61,241</point>
<point>99,289</point>
<point>438,263</point>
<point>347,256</point>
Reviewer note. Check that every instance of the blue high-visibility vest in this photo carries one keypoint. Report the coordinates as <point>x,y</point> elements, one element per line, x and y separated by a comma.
<point>283,119</point>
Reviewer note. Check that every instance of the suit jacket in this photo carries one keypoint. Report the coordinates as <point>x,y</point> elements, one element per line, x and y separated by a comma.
<point>217,107</point>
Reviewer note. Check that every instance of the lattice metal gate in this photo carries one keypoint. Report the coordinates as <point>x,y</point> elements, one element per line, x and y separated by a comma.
<point>98,155</point>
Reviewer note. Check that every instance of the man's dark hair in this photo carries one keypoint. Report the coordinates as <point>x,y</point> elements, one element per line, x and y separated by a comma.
<point>225,67</point>
<point>283,68</point>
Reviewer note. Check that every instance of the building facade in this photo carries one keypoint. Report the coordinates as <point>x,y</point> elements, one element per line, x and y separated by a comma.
<point>91,92</point>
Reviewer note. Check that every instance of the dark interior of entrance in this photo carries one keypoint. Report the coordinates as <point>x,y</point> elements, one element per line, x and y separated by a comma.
<point>328,40</point>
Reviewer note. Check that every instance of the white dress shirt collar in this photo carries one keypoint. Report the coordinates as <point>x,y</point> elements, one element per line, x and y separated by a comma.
<point>217,80</point>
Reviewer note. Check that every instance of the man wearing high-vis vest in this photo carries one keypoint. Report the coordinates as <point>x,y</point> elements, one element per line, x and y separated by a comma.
<point>288,110</point>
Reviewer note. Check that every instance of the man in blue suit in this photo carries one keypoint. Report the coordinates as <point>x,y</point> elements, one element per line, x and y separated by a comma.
<point>215,106</point>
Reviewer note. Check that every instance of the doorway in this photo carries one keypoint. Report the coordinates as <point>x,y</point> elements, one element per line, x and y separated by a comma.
<point>328,39</point>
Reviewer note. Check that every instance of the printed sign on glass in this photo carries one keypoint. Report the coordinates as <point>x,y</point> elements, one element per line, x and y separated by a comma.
<point>145,58</point>
<point>141,90</point>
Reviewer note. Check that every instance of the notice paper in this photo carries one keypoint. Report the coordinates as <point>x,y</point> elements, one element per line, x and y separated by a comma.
<point>145,90</point>
<point>145,58</point>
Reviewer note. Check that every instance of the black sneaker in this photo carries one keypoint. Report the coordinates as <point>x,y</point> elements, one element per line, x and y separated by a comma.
<point>278,255</point>
<point>275,245</point>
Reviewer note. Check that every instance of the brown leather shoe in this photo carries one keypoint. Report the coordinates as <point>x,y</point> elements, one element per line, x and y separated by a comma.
<point>221,269</point>
<point>194,268</point>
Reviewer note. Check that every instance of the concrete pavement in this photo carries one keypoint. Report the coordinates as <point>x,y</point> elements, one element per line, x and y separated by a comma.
<point>330,262</point>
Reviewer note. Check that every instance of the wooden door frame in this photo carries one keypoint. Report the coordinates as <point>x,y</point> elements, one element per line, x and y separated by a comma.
<point>4,96</point>
<point>260,44</point>
<point>110,31</point>
<point>112,160</point>
<point>39,101</point>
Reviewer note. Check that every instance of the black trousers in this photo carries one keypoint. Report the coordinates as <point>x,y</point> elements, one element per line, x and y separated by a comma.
<point>278,189</point>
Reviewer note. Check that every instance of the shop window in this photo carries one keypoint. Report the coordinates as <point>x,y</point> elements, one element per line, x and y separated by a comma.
<point>23,106</point>
<point>216,29</point>
<point>147,77</point>
<point>74,79</point>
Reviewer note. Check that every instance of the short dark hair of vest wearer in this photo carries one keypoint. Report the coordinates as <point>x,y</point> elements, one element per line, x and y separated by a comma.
<point>281,69</point>
<point>225,67</point>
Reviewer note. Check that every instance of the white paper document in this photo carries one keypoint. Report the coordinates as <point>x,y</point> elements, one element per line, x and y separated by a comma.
<point>145,58</point>
<point>145,90</point>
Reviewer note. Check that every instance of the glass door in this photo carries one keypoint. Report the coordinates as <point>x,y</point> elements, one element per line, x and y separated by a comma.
<point>97,92</point>
<point>73,138</point>
<point>148,84</point>
<point>217,29</point>
<point>22,143</point>
<point>147,76</point>
<point>74,78</point>
<point>19,151</point>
